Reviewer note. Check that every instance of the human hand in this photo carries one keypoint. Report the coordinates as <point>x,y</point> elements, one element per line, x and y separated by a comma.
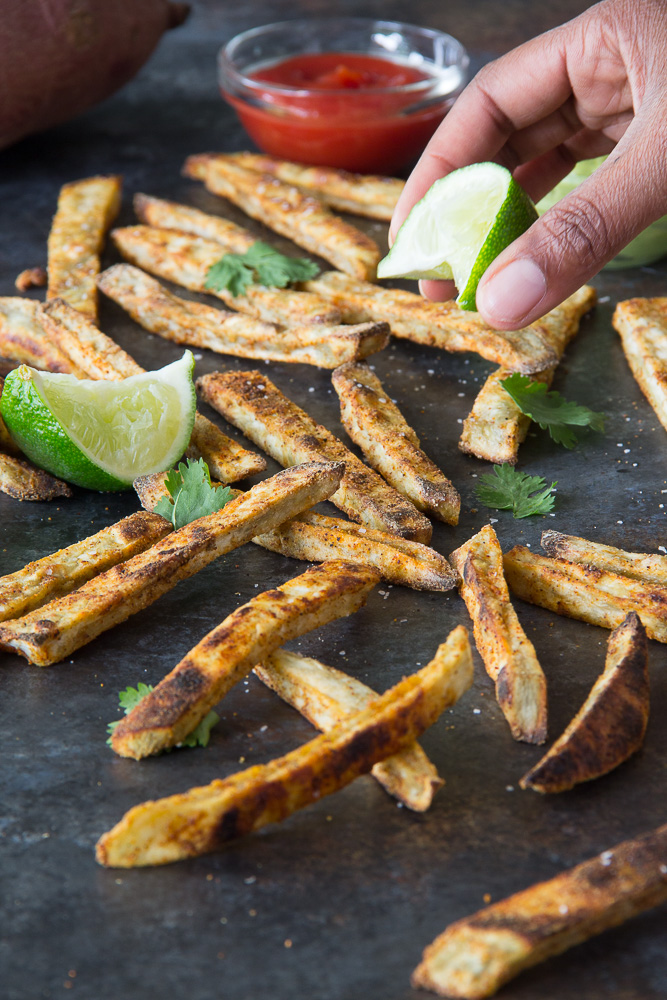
<point>592,86</point>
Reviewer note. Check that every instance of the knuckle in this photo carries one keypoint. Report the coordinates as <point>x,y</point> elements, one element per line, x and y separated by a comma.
<point>581,231</point>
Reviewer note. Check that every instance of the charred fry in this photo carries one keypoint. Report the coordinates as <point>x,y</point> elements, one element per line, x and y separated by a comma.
<point>642,325</point>
<point>23,481</point>
<point>643,566</point>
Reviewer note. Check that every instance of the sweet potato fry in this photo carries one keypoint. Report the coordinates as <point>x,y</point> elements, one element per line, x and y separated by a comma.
<point>186,260</point>
<point>100,357</point>
<point>361,194</point>
<point>52,632</point>
<point>251,402</point>
<point>85,211</point>
<point>390,445</point>
<point>290,212</point>
<point>229,652</point>
<point>326,697</point>
<point>24,340</point>
<point>646,567</point>
<point>508,654</point>
<point>592,595</point>
<point>642,325</point>
<point>199,325</point>
<point>611,724</point>
<point>24,481</point>
<point>61,572</point>
<point>473,957</point>
<point>204,819</point>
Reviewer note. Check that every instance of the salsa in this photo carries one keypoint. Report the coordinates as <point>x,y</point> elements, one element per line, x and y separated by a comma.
<point>338,71</point>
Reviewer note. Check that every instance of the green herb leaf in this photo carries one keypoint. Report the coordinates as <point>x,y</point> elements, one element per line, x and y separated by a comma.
<point>262,265</point>
<point>192,494</point>
<point>507,489</point>
<point>200,736</point>
<point>130,698</point>
<point>550,410</point>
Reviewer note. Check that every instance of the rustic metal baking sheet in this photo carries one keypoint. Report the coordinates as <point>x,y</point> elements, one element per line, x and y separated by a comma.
<point>338,901</point>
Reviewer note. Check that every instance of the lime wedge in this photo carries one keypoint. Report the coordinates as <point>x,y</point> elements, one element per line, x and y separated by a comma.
<point>461,224</point>
<point>97,434</point>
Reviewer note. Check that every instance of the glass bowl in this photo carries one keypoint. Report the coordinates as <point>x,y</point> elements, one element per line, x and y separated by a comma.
<point>344,109</point>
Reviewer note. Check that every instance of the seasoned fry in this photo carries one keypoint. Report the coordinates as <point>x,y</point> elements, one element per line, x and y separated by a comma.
<point>326,697</point>
<point>100,357</point>
<point>390,445</point>
<point>52,632</point>
<point>32,277</point>
<point>508,654</point>
<point>61,572</point>
<point>85,211</point>
<point>611,724</point>
<point>172,215</point>
<point>204,819</point>
<point>199,325</point>
<point>362,194</point>
<point>186,259</point>
<point>24,481</point>
<point>591,595</point>
<point>290,212</point>
<point>473,957</point>
<point>642,325</point>
<point>251,402</point>
<point>644,566</point>
<point>229,652</point>
<point>444,325</point>
<point>23,338</point>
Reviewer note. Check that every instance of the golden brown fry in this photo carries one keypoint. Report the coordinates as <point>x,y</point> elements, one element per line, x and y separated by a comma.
<point>610,725</point>
<point>61,572</point>
<point>23,338</point>
<point>390,445</point>
<point>24,481</point>
<point>229,652</point>
<point>199,325</point>
<point>508,654</point>
<point>52,632</point>
<point>101,358</point>
<point>32,277</point>
<point>591,595</point>
<point>362,194</point>
<point>251,402</point>
<point>85,211</point>
<point>644,566</point>
<point>642,325</point>
<point>473,957</point>
<point>326,697</point>
<point>204,819</point>
<point>172,215</point>
<point>290,212</point>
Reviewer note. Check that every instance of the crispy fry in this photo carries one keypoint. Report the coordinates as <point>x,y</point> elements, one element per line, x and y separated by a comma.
<point>32,277</point>
<point>251,402</point>
<point>591,595</point>
<point>290,212</point>
<point>51,633</point>
<point>85,211</point>
<point>610,725</point>
<point>229,652</point>
<point>186,259</point>
<point>473,957</point>
<point>204,819</point>
<point>100,357</point>
<point>495,427</point>
<point>61,572</point>
<point>508,654</point>
<point>644,566</point>
<point>362,194</point>
<point>390,445</point>
<point>642,325</point>
<point>200,325</point>
<point>172,215</point>
<point>24,481</point>
<point>326,697</point>
<point>23,338</point>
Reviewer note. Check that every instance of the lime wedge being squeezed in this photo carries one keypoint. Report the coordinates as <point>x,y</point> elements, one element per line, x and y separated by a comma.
<point>101,434</point>
<point>461,224</point>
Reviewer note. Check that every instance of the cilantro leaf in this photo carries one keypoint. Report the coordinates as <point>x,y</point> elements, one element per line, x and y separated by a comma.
<point>200,736</point>
<point>192,494</point>
<point>550,410</point>
<point>262,265</point>
<point>507,489</point>
<point>130,698</point>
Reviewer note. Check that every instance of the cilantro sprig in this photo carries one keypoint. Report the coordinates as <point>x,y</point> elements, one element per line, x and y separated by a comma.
<point>260,265</point>
<point>192,494</point>
<point>550,410</point>
<point>507,489</point>
<point>130,698</point>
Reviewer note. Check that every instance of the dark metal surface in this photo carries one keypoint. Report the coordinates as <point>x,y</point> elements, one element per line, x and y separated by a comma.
<point>339,901</point>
